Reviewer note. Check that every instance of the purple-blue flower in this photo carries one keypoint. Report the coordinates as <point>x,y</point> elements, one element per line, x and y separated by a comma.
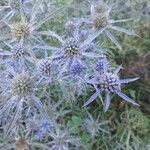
<point>76,69</point>
<point>109,83</point>
<point>72,51</point>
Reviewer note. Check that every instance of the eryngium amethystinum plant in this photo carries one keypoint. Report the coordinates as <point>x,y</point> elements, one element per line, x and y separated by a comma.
<point>50,63</point>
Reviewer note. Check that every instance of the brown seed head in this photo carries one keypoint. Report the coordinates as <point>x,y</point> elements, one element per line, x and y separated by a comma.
<point>20,30</point>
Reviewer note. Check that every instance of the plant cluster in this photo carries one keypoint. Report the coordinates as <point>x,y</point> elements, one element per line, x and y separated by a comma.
<point>42,72</point>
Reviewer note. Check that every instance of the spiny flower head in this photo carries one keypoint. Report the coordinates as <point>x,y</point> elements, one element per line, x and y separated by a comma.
<point>73,50</point>
<point>100,14</point>
<point>108,82</point>
<point>70,25</point>
<point>45,126</point>
<point>20,89</point>
<point>22,85</point>
<point>18,55</point>
<point>76,69</point>
<point>45,67</point>
<point>26,28</point>
<point>71,47</point>
<point>100,20</point>
<point>20,30</point>
<point>18,51</point>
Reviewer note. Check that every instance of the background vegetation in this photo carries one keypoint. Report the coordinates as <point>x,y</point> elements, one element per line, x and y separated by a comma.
<point>128,126</point>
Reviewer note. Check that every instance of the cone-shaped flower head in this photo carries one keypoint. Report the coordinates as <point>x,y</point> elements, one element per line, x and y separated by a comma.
<point>71,47</point>
<point>109,82</point>
<point>22,85</point>
<point>20,30</point>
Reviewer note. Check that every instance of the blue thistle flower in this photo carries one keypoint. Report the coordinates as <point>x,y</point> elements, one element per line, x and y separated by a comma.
<point>70,28</point>
<point>18,54</point>
<point>22,139</point>
<point>19,89</point>
<point>109,83</point>
<point>72,51</point>
<point>47,71</point>
<point>27,28</point>
<point>44,67</point>
<point>76,69</point>
<point>100,22</point>
<point>74,79</point>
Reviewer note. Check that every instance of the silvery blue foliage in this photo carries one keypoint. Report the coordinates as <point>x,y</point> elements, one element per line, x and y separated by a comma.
<point>3,121</point>
<point>62,140</point>
<point>45,126</point>
<point>56,111</point>
<point>146,9</point>
<point>94,126</point>
<point>12,8</point>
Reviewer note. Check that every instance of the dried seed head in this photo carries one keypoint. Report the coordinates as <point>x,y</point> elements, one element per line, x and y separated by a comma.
<point>21,144</point>
<point>109,82</point>
<point>71,48</point>
<point>18,51</point>
<point>45,67</point>
<point>100,20</point>
<point>22,85</point>
<point>14,4</point>
<point>20,30</point>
